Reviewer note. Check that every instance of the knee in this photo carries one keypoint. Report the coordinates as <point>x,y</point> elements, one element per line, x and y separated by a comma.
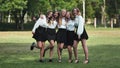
<point>40,47</point>
<point>68,47</point>
<point>51,47</point>
<point>74,46</point>
<point>60,48</point>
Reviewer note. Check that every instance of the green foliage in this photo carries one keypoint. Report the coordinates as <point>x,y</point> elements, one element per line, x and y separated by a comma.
<point>35,7</point>
<point>38,6</point>
<point>89,10</point>
<point>96,5</point>
<point>63,4</point>
<point>11,5</point>
<point>113,7</point>
<point>42,6</point>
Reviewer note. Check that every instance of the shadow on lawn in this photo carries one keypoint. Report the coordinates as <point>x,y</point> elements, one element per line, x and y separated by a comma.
<point>19,53</point>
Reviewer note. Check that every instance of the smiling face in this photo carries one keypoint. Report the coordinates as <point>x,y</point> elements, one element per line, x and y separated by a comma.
<point>50,14</point>
<point>56,14</point>
<point>75,11</point>
<point>68,15</point>
<point>42,16</point>
<point>63,13</point>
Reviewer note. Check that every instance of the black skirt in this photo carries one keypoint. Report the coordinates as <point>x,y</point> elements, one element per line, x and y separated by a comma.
<point>61,36</point>
<point>70,38</point>
<point>51,34</point>
<point>40,34</point>
<point>83,36</point>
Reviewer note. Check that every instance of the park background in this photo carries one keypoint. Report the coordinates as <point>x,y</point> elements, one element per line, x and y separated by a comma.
<point>102,22</point>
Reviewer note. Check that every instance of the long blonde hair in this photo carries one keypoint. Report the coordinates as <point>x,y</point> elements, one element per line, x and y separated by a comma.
<point>60,18</point>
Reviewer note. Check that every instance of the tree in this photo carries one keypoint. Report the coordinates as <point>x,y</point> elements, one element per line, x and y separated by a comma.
<point>35,7</point>
<point>17,8</point>
<point>103,15</point>
<point>89,10</point>
<point>113,10</point>
<point>62,4</point>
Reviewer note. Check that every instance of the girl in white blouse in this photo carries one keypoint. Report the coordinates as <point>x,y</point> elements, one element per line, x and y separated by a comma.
<point>80,35</point>
<point>61,34</point>
<point>51,33</point>
<point>70,35</point>
<point>39,34</point>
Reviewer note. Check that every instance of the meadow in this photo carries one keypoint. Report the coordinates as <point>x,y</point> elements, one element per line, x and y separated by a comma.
<point>103,45</point>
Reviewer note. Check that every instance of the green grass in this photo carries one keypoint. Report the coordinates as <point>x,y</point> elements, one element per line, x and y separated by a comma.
<point>103,44</point>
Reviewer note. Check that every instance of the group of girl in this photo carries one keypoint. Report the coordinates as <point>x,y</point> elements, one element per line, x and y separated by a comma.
<point>70,30</point>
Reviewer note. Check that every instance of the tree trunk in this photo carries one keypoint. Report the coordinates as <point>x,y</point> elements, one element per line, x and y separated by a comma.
<point>118,21</point>
<point>23,12</point>
<point>95,22</point>
<point>103,19</point>
<point>111,23</point>
<point>117,13</point>
<point>9,17</point>
<point>84,9</point>
<point>0,17</point>
<point>19,19</point>
<point>16,19</point>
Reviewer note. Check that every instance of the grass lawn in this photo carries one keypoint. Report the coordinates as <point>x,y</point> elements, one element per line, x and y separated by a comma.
<point>103,44</point>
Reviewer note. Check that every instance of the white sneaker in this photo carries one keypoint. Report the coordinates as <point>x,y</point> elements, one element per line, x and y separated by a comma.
<point>76,61</point>
<point>59,61</point>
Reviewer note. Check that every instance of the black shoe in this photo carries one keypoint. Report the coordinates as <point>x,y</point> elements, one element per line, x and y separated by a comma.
<point>32,46</point>
<point>50,60</point>
<point>41,61</point>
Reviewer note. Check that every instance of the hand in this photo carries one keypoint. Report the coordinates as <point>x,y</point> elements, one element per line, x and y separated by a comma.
<point>79,37</point>
<point>33,32</point>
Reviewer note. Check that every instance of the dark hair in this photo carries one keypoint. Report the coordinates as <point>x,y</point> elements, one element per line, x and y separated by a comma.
<point>78,11</point>
<point>50,18</point>
<point>71,16</point>
<point>54,18</point>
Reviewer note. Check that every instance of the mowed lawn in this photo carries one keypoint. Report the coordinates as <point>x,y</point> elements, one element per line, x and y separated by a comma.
<point>103,44</point>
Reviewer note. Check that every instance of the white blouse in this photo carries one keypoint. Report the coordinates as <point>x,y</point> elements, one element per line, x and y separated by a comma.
<point>63,25</point>
<point>52,25</point>
<point>79,21</point>
<point>70,25</point>
<point>40,22</point>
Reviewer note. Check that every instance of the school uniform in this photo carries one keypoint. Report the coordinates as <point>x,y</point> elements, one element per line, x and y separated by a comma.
<point>40,30</point>
<point>61,33</point>
<point>80,29</point>
<point>70,32</point>
<point>51,32</point>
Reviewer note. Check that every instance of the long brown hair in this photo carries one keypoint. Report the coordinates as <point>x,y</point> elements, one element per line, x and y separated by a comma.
<point>71,16</point>
<point>49,19</point>
<point>78,12</point>
<point>56,18</point>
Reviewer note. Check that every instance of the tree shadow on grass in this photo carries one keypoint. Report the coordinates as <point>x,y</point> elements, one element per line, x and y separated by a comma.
<point>19,55</point>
